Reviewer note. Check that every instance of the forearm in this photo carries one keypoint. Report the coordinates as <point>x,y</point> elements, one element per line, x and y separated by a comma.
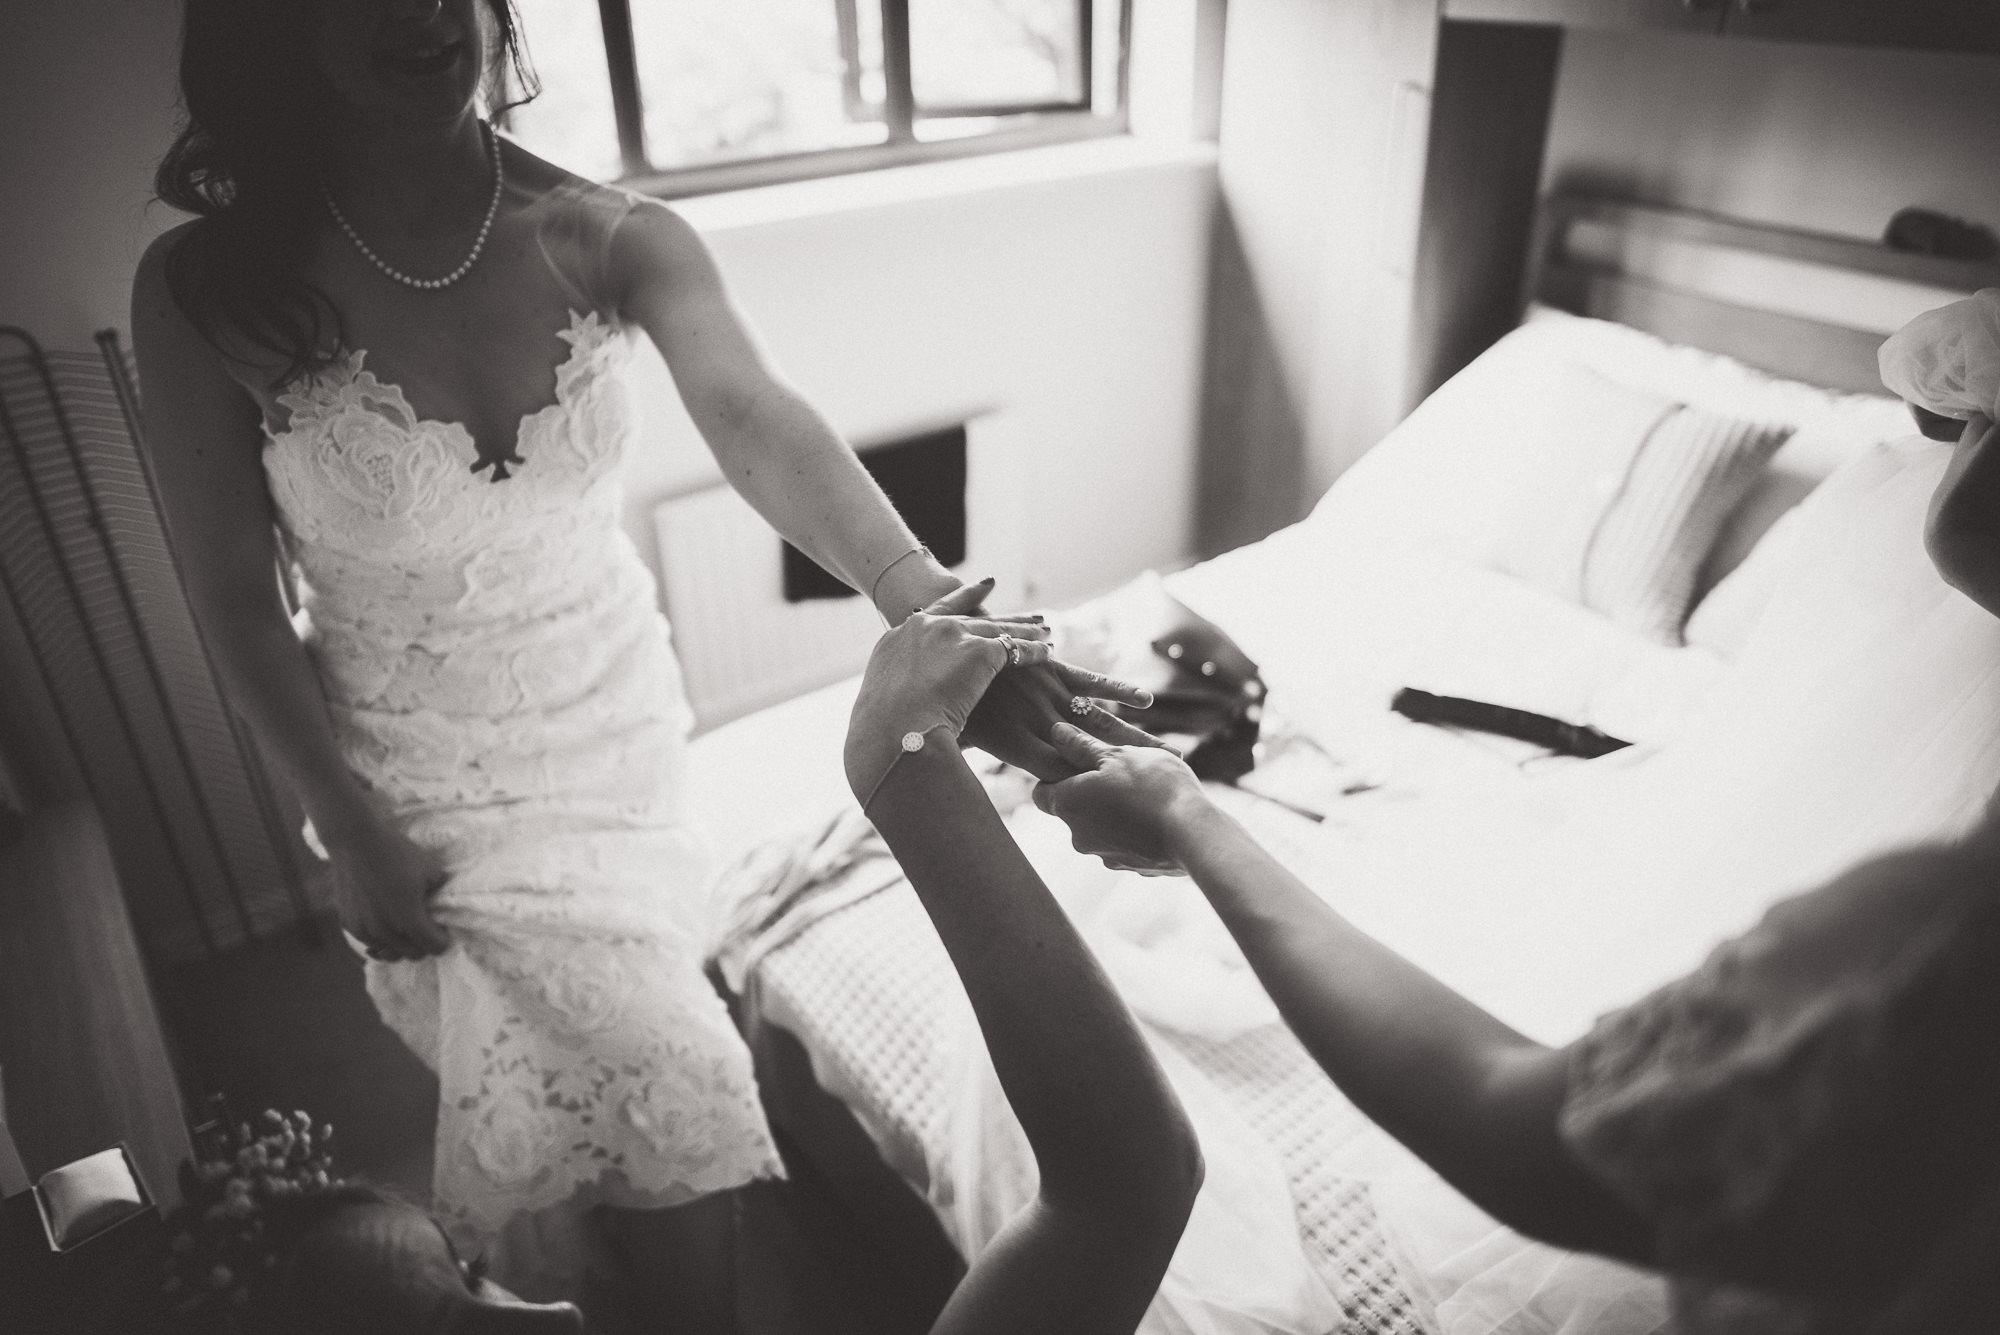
<point>270,684</point>
<point>1107,1133</point>
<point>793,467</point>
<point>1470,1096</point>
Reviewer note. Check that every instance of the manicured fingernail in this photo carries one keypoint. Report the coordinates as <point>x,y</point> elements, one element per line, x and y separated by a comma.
<point>1062,730</point>
<point>1145,700</point>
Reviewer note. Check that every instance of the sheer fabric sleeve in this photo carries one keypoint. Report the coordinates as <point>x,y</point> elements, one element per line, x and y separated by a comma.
<point>1813,1112</point>
<point>575,232</point>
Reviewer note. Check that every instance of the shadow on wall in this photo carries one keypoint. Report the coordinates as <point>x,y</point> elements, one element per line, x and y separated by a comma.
<point>1250,452</point>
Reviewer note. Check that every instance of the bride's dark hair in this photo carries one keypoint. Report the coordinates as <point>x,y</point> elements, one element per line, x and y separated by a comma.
<point>248,161</point>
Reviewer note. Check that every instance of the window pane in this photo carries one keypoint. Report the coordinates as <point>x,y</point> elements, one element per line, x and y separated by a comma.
<point>741,78</point>
<point>985,53</point>
<point>571,123</point>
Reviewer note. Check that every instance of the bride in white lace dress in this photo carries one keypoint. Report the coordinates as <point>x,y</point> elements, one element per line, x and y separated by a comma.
<point>389,352</point>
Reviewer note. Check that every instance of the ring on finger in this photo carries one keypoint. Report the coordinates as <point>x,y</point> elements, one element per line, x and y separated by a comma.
<point>1013,650</point>
<point>1079,706</point>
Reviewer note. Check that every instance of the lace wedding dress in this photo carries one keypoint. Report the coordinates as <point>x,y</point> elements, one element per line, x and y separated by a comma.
<point>500,677</point>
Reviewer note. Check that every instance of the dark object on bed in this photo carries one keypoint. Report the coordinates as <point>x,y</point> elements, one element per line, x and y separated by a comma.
<point>924,477</point>
<point>1566,739</point>
<point>1926,232</point>
<point>1207,695</point>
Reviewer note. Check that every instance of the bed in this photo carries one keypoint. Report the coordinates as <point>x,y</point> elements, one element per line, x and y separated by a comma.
<point>1798,688</point>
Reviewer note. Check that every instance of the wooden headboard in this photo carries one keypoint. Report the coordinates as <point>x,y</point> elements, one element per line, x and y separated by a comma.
<point>1804,305</point>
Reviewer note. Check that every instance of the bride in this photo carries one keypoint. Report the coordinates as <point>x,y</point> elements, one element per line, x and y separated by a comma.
<point>386,355</point>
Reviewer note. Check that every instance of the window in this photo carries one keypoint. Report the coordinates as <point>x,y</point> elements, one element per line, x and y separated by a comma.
<point>684,96</point>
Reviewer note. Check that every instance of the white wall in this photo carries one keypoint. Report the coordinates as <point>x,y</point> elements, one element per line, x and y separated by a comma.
<point>1324,109</point>
<point>1831,138</point>
<point>1060,291</point>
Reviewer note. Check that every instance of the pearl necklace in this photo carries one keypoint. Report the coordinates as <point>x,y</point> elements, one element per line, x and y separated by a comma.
<point>478,245</point>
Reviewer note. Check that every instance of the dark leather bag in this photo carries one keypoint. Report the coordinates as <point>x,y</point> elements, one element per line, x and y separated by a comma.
<point>1208,698</point>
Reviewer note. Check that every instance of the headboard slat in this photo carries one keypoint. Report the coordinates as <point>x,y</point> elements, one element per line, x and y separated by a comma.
<point>1793,344</point>
<point>1784,345</point>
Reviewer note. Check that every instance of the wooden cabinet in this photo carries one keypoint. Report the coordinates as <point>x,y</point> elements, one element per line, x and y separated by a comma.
<point>1931,25</point>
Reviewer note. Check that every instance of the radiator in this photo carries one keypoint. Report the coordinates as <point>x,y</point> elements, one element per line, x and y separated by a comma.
<point>742,646</point>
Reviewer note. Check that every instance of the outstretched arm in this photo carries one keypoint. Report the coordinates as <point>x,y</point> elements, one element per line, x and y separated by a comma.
<point>786,459</point>
<point>1471,1097</point>
<point>1118,1162</point>
<point>1963,532</point>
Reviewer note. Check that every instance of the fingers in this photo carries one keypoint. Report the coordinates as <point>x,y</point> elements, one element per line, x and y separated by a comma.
<point>1110,728</point>
<point>1085,682</point>
<point>412,941</point>
<point>1043,761</point>
<point>1078,747</point>
<point>396,941</point>
<point>962,600</point>
<point>431,937</point>
<point>1020,653</point>
<point>993,628</point>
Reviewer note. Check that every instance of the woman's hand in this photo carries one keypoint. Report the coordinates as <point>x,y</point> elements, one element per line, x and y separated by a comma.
<point>382,881</point>
<point>1126,804</point>
<point>931,672</point>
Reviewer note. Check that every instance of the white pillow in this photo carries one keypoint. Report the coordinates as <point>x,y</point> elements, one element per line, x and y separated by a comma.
<point>1628,520</point>
<point>1864,708</point>
<point>1832,426</point>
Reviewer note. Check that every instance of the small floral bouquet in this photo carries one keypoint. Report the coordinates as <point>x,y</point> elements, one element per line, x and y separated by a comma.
<point>243,1195</point>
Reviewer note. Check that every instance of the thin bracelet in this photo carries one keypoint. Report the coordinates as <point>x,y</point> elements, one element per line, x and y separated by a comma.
<point>909,744</point>
<point>892,565</point>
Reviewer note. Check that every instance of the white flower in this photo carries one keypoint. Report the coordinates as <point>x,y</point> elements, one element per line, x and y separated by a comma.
<point>645,1111</point>
<point>355,666</point>
<point>589,990</point>
<point>421,744</point>
<point>513,1141</point>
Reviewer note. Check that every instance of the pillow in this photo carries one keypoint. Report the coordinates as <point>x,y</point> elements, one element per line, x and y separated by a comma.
<point>1832,426</point>
<point>1726,618</point>
<point>1862,713</point>
<point>1627,498</point>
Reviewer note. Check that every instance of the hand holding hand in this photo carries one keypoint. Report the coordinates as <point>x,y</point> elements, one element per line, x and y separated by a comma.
<point>382,882</point>
<point>932,671</point>
<point>1125,803</point>
<point>1012,721</point>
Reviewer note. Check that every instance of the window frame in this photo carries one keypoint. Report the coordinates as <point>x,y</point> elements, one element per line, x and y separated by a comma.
<point>1047,122</point>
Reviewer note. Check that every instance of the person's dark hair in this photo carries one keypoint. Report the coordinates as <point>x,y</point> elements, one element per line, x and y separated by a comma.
<point>248,162</point>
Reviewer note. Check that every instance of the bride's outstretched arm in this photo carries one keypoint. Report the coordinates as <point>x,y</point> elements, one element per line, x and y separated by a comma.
<point>786,459</point>
<point>1118,1162</point>
<point>774,446</point>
